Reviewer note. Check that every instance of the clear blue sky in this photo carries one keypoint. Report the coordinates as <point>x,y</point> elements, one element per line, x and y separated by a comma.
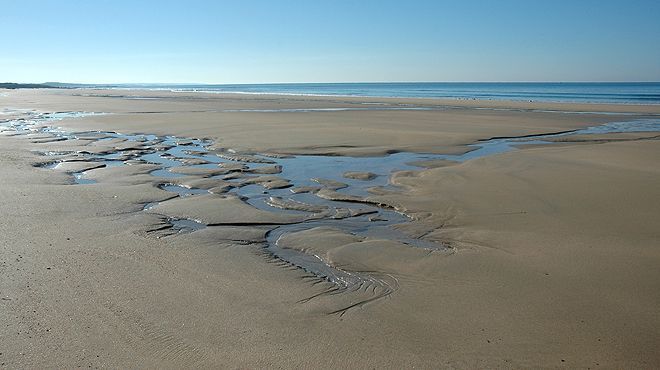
<point>251,41</point>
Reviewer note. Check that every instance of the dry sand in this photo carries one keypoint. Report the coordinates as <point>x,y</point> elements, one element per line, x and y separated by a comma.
<point>554,261</point>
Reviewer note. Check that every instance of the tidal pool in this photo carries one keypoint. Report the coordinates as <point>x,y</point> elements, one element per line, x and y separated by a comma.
<point>291,185</point>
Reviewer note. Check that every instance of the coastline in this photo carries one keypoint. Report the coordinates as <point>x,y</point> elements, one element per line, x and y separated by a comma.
<point>523,104</point>
<point>398,97</point>
<point>551,266</point>
<point>568,92</point>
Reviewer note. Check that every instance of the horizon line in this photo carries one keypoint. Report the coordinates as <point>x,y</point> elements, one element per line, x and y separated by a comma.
<point>342,82</point>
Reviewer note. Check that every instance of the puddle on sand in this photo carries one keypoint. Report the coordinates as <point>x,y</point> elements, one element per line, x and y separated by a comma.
<point>185,225</point>
<point>355,217</point>
<point>302,169</point>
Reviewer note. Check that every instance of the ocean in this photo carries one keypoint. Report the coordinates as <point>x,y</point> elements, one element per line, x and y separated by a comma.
<point>624,92</point>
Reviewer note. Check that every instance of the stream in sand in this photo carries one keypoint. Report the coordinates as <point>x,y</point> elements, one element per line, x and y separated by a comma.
<point>316,187</point>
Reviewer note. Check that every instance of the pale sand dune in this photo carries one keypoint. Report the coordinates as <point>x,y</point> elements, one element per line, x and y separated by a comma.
<point>554,262</point>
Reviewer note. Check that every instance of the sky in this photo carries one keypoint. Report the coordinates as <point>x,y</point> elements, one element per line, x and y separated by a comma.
<point>253,41</point>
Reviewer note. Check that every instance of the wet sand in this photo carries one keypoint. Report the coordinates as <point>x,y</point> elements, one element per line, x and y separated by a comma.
<point>375,125</point>
<point>553,259</point>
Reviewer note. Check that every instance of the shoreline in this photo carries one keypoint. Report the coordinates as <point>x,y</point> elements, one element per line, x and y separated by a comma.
<point>554,106</point>
<point>446,99</point>
<point>438,101</point>
<point>642,93</point>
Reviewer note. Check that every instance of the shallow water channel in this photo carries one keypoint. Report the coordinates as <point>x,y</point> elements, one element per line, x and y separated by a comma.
<point>303,178</point>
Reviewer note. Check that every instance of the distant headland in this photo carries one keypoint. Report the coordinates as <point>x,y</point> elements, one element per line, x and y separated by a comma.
<point>13,85</point>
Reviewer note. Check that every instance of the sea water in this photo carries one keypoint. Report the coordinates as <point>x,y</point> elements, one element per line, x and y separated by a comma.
<point>583,92</point>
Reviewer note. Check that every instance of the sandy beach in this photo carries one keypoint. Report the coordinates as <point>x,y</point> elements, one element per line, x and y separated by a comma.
<point>549,255</point>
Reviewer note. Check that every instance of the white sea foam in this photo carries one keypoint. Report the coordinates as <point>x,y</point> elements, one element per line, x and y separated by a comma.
<point>294,110</point>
